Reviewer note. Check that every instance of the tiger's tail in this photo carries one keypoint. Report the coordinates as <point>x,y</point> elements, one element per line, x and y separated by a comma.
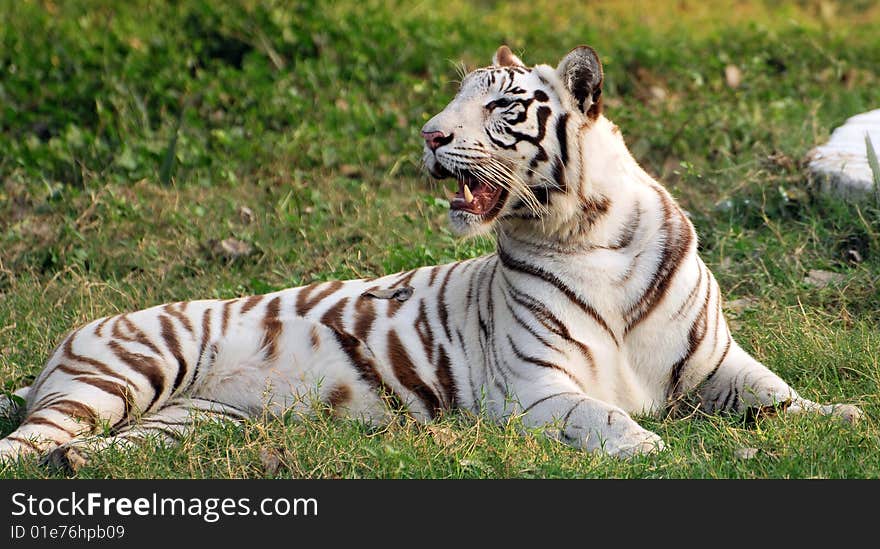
<point>12,405</point>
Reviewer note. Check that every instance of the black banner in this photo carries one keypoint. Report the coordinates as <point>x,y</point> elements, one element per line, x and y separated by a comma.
<point>122,513</point>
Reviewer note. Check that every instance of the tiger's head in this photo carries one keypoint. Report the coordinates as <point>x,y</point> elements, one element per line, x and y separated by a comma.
<point>507,138</point>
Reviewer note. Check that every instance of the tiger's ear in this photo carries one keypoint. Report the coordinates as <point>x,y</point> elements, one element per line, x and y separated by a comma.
<point>505,58</point>
<point>581,73</point>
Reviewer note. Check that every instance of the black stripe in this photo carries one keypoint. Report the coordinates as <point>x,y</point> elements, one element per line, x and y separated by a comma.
<point>546,398</point>
<point>696,336</point>
<point>562,137</point>
<point>537,272</point>
<point>542,363</point>
<point>528,328</point>
<point>559,176</point>
<point>228,409</point>
<point>720,360</point>
<point>548,320</point>
<point>442,311</point>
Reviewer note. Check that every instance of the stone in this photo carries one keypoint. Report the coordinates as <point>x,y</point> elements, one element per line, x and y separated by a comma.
<point>822,279</point>
<point>745,453</point>
<point>841,165</point>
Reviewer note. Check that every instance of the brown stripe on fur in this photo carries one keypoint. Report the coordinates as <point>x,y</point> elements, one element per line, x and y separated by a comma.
<point>169,335</point>
<point>315,338</point>
<point>548,397</point>
<point>365,364</point>
<point>718,314</point>
<point>45,400</point>
<point>365,315</point>
<point>250,303</point>
<point>446,379</point>
<point>562,139</point>
<point>272,328</point>
<point>405,371</point>
<point>206,331</point>
<point>333,316</point>
<point>61,367</point>
<point>305,303</point>
<point>29,443</point>
<point>126,330</point>
<point>139,335</point>
<point>77,411</point>
<point>177,311</point>
<point>567,417</point>
<point>542,363</point>
<point>720,360</point>
<point>432,275</point>
<point>679,237</point>
<point>36,420</point>
<point>147,366</point>
<point>203,345</point>
<point>111,388</point>
<point>68,352</point>
<point>339,395</point>
<point>550,278</point>
<point>630,271</point>
<point>100,326</point>
<point>404,279</point>
<point>227,311</point>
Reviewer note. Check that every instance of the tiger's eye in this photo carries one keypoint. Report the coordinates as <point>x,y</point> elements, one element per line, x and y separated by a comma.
<point>498,103</point>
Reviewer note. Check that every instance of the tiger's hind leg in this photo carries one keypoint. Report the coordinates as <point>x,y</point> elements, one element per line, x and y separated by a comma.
<point>741,383</point>
<point>169,425</point>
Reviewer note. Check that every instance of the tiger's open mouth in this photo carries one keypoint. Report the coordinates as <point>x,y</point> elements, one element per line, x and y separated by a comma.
<point>474,196</point>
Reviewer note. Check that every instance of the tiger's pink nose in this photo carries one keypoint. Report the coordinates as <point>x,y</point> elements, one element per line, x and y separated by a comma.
<point>435,140</point>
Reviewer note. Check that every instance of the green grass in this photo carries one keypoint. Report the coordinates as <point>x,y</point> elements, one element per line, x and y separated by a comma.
<point>132,134</point>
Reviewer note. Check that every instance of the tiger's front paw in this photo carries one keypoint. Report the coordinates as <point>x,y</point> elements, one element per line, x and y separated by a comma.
<point>635,444</point>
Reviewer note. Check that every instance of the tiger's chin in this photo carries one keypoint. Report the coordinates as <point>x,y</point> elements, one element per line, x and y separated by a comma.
<point>466,224</point>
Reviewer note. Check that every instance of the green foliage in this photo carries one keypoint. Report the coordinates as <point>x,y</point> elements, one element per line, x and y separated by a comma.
<point>138,135</point>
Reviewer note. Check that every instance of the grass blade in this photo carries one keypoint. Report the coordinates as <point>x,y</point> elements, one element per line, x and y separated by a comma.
<point>167,168</point>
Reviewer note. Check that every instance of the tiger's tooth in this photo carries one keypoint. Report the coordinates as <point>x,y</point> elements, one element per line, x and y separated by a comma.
<point>468,197</point>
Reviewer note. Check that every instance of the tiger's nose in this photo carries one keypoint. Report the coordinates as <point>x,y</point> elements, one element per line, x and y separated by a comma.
<point>435,140</point>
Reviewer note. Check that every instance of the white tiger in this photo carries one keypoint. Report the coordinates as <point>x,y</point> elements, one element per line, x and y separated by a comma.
<point>595,305</point>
